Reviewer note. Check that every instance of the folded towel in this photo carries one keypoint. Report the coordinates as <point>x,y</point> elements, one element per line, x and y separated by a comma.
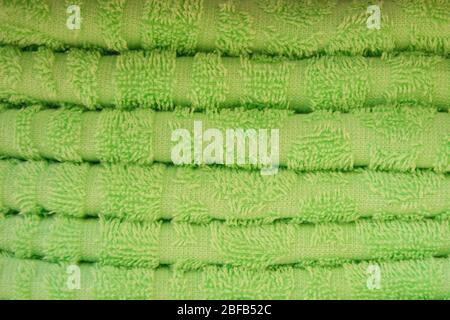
<point>207,81</point>
<point>408,279</point>
<point>288,27</point>
<point>390,139</point>
<point>157,192</point>
<point>127,191</point>
<point>128,244</point>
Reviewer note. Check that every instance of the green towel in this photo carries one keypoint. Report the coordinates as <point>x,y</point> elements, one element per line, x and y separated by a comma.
<point>293,28</point>
<point>127,244</point>
<point>207,81</point>
<point>214,162</point>
<point>157,192</point>
<point>409,279</point>
<point>399,139</point>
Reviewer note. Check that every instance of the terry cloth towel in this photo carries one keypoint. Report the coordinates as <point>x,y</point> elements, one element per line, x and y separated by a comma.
<point>385,138</point>
<point>199,195</point>
<point>128,244</point>
<point>408,279</point>
<point>160,80</point>
<point>286,27</point>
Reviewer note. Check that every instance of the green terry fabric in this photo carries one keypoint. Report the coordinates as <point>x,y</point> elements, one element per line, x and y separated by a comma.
<point>399,139</point>
<point>160,80</point>
<point>157,192</point>
<point>288,27</point>
<point>127,244</point>
<point>408,279</point>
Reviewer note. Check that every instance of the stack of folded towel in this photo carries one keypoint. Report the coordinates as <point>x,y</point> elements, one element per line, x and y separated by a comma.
<point>123,174</point>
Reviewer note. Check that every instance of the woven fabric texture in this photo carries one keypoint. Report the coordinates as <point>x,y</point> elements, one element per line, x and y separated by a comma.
<point>198,195</point>
<point>408,279</point>
<point>224,149</point>
<point>292,28</point>
<point>126,244</point>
